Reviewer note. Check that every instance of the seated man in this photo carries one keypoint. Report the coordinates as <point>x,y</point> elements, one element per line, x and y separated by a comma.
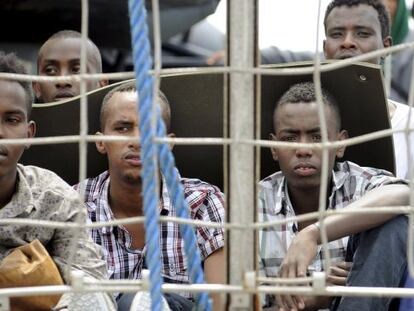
<point>116,193</point>
<point>288,250</point>
<point>60,56</point>
<point>29,192</point>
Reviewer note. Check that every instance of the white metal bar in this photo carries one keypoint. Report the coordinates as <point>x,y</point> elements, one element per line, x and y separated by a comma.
<point>242,45</point>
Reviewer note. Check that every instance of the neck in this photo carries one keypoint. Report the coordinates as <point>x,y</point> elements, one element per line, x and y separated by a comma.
<point>125,198</point>
<point>304,200</point>
<point>7,186</point>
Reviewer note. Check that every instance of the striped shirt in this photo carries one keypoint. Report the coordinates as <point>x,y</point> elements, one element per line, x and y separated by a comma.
<point>206,203</point>
<point>349,183</point>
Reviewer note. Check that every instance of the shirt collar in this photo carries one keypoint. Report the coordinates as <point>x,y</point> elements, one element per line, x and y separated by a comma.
<point>100,200</point>
<point>339,176</point>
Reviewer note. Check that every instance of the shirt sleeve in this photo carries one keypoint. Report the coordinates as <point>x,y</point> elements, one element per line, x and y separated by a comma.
<point>211,210</point>
<point>383,178</point>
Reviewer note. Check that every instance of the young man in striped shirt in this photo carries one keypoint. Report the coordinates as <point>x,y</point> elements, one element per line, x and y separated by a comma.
<point>377,246</point>
<point>116,194</point>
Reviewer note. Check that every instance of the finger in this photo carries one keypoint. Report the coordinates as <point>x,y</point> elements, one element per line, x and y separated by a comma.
<point>336,280</point>
<point>282,303</point>
<point>338,272</point>
<point>345,265</point>
<point>300,302</point>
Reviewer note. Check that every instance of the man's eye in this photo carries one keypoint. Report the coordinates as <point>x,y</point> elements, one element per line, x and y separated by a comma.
<point>363,34</point>
<point>335,34</point>
<point>13,120</point>
<point>76,69</point>
<point>50,70</point>
<point>122,129</point>
<point>316,138</point>
<point>288,138</point>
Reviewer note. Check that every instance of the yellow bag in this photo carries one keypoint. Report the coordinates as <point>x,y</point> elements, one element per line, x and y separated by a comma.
<point>30,265</point>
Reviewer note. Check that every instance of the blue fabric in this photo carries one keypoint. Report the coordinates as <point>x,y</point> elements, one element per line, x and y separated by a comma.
<point>407,304</point>
<point>379,260</point>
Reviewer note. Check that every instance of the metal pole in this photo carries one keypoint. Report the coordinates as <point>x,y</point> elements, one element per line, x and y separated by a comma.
<point>241,32</point>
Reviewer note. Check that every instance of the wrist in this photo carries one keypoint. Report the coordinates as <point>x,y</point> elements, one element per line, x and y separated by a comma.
<point>313,232</point>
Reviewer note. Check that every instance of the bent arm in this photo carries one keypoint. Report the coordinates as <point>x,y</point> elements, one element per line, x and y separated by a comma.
<point>342,225</point>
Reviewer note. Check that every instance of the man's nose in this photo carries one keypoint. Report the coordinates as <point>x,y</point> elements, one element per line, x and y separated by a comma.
<point>348,42</point>
<point>136,141</point>
<point>304,152</point>
<point>64,83</point>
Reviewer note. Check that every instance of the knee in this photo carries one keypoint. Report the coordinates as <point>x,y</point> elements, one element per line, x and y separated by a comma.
<point>394,230</point>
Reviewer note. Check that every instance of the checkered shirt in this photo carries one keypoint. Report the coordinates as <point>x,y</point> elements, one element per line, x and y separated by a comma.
<point>349,183</point>
<point>205,202</point>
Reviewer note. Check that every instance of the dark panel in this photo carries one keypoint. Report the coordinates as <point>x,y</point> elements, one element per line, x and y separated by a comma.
<point>197,111</point>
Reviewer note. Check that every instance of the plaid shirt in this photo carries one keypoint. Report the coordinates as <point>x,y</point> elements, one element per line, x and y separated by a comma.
<point>349,183</point>
<point>205,202</point>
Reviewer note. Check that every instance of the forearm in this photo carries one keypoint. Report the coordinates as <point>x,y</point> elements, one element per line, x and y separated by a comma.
<point>341,225</point>
<point>215,271</point>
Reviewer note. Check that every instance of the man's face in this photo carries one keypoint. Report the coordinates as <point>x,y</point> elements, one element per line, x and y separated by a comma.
<point>352,31</point>
<point>124,158</point>
<point>13,124</point>
<point>299,122</point>
<point>61,57</point>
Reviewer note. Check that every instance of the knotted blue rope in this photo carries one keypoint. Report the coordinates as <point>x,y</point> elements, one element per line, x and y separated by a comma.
<point>143,62</point>
<point>144,84</point>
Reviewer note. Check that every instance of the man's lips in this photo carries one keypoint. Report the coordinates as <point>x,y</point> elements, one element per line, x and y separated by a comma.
<point>347,55</point>
<point>63,95</point>
<point>3,152</point>
<point>304,169</point>
<point>133,159</point>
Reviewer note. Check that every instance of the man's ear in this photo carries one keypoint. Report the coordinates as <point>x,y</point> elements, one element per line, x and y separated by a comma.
<point>342,135</point>
<point>36,89</point>
<point>31,131</point>
<point>171,135</point>
<point>273,150</point>
<point>103,83</point>
<point>387,41</point>
<point>100,146</point>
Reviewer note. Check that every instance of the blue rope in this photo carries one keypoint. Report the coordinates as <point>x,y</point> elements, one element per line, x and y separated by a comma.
<point>176,192</point>
<point>142,63</point>
<point>144,83</point>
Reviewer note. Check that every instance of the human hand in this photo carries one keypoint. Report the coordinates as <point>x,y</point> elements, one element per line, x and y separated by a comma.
<point>299,256</point>
<point>338,273</point>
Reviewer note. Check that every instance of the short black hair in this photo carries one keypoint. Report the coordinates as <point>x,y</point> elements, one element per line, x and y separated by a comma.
<point>131,87</point>
<point>383,15</point>
<point>304,92</point>
<point>68,34</point>
<point>10,63</point>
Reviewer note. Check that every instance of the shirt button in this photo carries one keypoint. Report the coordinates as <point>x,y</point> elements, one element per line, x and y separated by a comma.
<point>172,269</point>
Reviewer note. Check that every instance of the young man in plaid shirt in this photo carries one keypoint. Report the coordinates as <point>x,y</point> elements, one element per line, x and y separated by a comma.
<point>115,194</point>
<point>377,246</point>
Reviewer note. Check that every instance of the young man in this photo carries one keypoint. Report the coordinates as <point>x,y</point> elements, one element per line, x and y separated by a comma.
<point>60,56</point>
<point>29,192</point>
<point>115,194</point>
<point>288,250</point>
<point>355,27</point>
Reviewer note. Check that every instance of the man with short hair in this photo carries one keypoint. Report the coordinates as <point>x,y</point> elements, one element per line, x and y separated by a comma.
<point>60,56</point>
<point>116,194</point>
<point>287,250</point>
<point>30,192</point>
<point>355,27</point>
